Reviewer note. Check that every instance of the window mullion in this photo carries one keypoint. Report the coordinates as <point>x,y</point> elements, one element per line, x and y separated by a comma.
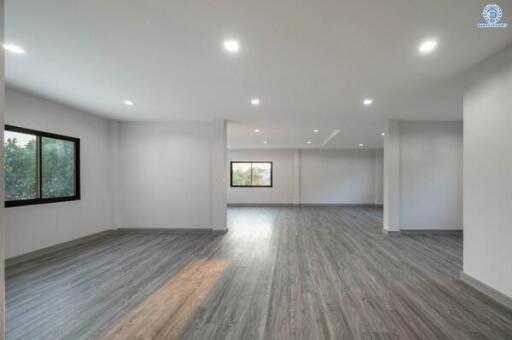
<point>40,166</point>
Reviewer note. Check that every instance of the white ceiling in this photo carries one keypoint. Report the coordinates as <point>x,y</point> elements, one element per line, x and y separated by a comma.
<point>310,62</point>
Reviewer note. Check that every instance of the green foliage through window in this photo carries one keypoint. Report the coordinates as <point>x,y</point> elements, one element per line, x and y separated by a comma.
<point>20,166</point>
<point>58,167</point>
<point>39,167</point>
<point>251,174</point>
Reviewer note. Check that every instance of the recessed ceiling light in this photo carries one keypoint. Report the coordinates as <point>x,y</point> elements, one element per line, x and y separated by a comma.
<point>383,134</point>
<point>255,101</point>
<point>309,142</point>
<point>128,103</point>
<point>231,45</point>
<point>361,145</point>
<point>316,130</point>
<point>265,142</point>
<point>14,48</point>
<point>368,101</point>
<point>257,130</point>
<point>427,46</point>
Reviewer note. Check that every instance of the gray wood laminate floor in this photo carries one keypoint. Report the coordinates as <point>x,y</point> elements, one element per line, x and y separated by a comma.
<point>280,273</point>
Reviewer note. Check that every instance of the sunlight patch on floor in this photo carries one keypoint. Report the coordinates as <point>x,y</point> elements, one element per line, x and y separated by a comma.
<point>165,313</point>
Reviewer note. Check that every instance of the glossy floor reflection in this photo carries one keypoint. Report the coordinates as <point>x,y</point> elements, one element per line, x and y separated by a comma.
<point>279,273</point>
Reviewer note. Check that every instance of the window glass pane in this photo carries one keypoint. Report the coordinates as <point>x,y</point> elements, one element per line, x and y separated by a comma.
<point>261,174</point>
<point>58,167</point>
<point>20,166</point>
<point>241,174</point>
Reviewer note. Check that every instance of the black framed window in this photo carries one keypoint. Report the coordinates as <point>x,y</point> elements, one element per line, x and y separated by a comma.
<point>40,167</point>
<point>246,174</point>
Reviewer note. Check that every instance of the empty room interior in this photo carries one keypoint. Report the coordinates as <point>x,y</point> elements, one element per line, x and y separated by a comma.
<point>256,169</point>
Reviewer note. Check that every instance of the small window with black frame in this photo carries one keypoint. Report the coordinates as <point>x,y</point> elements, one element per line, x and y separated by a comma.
<point>249,174</point>
<point>40,167</point>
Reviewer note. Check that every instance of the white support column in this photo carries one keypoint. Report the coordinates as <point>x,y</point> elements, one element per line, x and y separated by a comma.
<point>2,212</point>
<point>296,177</point>
<point>115,189</point>
<point>392,177</point>
<point>218,192</point>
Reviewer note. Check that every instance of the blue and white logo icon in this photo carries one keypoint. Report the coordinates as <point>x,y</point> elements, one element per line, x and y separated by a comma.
<point>492,15</point>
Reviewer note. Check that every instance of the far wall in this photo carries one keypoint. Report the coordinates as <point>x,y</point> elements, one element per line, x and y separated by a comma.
<point>285,177</point>
<point>313,177</point>
<point>337,176</point>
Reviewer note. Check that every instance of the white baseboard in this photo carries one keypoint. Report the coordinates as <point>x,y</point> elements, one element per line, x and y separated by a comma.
<point>488,291</point>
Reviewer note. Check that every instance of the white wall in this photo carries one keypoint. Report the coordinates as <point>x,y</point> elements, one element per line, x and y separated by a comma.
<point>431,175</point>
<point>488,173</point>
<point>423,175</point>
<point>284,177</point>
<point>391,220</point>
<point>37,226</point>
<point>337,176</point>
<point>166,175</point>
<point>313,177</point>
<point>133,175</point>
